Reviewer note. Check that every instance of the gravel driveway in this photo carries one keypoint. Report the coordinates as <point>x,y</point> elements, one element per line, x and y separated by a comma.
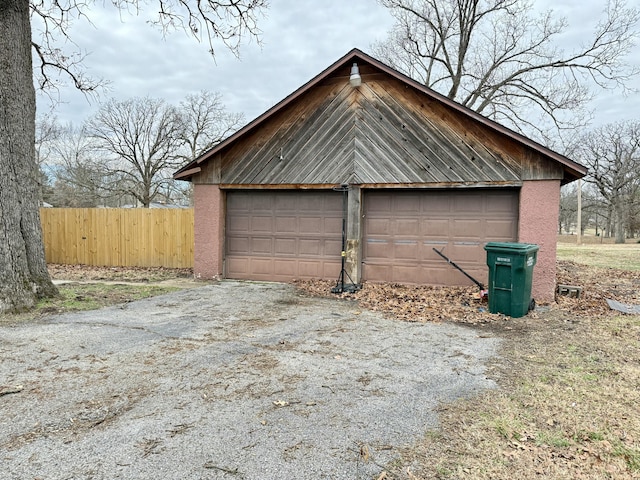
<point>227,381</point>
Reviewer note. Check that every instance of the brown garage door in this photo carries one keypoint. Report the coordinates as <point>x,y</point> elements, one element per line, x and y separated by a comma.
<point>283,235</point>
<point>402,228</point>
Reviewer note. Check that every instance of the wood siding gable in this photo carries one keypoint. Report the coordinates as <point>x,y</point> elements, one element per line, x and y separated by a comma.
<point>390,130</point>
<point>370,135</point>
<point>311,143</point>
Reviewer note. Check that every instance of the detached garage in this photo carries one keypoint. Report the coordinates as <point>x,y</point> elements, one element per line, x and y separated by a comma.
<point>406,169</point>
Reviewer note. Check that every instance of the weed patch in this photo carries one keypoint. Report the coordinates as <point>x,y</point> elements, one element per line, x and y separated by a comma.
<point>75,297</point>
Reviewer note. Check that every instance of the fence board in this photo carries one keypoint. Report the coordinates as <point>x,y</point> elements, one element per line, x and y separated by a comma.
<point>118,237</point>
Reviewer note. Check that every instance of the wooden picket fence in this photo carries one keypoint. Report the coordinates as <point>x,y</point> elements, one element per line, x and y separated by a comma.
<point>119,237</point>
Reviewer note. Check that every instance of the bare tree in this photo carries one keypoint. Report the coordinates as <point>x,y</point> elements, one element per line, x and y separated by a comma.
<point>497,58</point>
<point>206,122</point>
<point>632,193</point>
<point>612,153</point>
<point>113,160</point>
<point>568,208</point>
<point>48,131</point>
<point>23,271</point>
<point>139,139</point>
<point>78,173</point>
<point>591,208</point>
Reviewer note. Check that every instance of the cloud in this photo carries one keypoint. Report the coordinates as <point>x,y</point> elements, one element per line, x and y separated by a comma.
<point>300,39</point>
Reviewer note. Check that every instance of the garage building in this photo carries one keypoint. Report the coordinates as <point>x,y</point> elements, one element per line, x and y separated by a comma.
<point>407,170</point>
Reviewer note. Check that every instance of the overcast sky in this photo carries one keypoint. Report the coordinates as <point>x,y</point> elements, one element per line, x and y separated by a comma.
<point>300,39</point>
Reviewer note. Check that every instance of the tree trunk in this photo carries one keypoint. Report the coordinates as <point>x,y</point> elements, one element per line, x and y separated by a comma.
<point>620,223</point>
<point>23,270</point>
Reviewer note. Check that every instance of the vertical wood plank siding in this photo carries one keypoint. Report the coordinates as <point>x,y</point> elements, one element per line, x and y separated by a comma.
<point>128,237</point>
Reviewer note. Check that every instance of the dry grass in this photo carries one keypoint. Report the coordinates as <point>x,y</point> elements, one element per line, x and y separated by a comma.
<point>566,408</point>
<point>97,287</point>
<point>592,239</point>
<point>622,256</point>
<point>75,297</point>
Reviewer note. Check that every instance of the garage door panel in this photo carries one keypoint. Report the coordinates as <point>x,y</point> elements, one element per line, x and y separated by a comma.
<point>406,274</point>
<point>309,269</point>
<point>406,249</point>
<point>331,269</point>
<point>429,245</point>
<point>262,224</point>
<point>330,203</point>
<point>238,244</point>
<point>286,224</point>
<point>380,203</point>
<point>376,270</point>
<point>377,248</point>
<point>264,204</point>
<point>467,228</point>
<point>333,226</point>
<point>284,267</point>
<point>238,224</point>
<point>332,248</point>
<point>436,205</point>
<point>407,226</point>
<point>408,203</point>
<point>500,230</point>
<point>464,254</point>
<point>501,203</point>
<point>468,203</point>
<point>457,222</point>
<point>261,265</point>
<point>435,228</point>
<point>280,203</point>
<point>435,275</point>
<point>262,246</point>
<point>284,246</point>
<point>311,247</point>
<point>283,235</point>
<point>240,265</point>
<point>238,202</point>
<point>379,226</point>
<point>311,224</point>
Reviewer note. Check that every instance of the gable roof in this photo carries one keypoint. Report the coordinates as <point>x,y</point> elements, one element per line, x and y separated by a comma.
<point>572,170</point>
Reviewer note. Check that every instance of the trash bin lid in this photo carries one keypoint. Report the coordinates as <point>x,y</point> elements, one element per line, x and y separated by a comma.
<point>513,247</point>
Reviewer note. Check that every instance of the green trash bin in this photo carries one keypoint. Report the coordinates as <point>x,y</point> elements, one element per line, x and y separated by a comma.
<point>510,277</point>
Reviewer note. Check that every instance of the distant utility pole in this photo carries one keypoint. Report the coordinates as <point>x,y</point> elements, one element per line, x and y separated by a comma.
<point>579,233</point>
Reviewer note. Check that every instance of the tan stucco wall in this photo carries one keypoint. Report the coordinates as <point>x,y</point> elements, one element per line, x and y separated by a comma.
<point>208,231</point>
<point>538,223</point>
